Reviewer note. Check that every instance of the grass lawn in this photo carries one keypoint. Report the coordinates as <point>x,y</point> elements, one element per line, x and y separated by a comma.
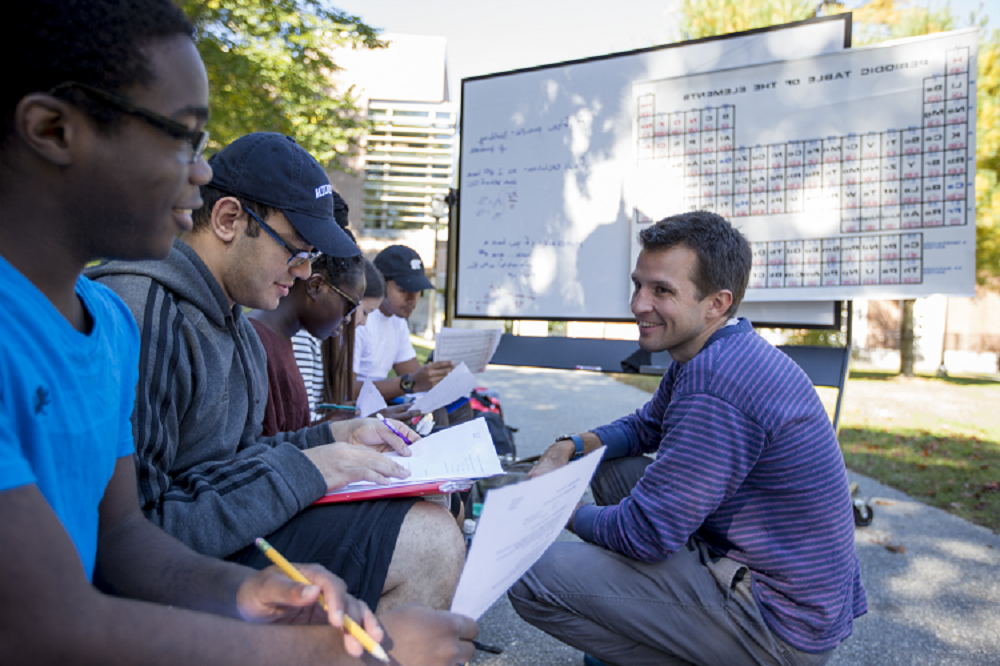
<point>936,439</point>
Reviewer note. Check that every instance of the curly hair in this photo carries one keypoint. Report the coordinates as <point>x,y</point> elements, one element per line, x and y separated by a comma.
<point>341,271</point>
<point>97,42</point>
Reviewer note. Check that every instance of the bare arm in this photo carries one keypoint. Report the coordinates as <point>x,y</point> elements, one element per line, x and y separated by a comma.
<point>425,377</point>
<point>389,387</point>
<point>49,613</point>
<point>561,453</point>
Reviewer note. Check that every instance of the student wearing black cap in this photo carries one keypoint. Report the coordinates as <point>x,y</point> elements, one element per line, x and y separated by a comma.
<point>383,343</point>
<point>205,472</point>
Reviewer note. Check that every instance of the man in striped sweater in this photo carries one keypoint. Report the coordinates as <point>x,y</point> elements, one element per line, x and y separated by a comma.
<point>735,543</point>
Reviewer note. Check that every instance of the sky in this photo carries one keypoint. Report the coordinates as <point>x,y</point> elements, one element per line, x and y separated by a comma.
<point>490,36</point>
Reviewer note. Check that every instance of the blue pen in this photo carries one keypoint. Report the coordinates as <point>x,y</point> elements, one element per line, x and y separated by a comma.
<point>399,434</point>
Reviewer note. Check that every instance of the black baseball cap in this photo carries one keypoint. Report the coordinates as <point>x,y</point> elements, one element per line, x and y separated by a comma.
<point>403,265</point>
<point>274,170</point>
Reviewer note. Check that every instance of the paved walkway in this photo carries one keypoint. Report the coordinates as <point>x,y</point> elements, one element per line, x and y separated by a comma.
<point>933,580</point>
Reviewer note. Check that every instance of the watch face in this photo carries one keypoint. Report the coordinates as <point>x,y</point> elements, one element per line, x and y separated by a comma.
<point>406,382</point>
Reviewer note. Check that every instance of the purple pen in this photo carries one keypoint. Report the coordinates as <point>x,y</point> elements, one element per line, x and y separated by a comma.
<point>399,434</point>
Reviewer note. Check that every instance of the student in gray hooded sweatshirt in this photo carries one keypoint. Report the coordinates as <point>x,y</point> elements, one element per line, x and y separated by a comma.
<point>204,471</point>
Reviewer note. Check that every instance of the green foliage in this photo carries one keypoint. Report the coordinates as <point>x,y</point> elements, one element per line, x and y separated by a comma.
<point>880,20</point>
<point>707,18</point>
<point>954,472</point>
<point>815,337</point>
<point>268,66</point>
<point>988,157</point>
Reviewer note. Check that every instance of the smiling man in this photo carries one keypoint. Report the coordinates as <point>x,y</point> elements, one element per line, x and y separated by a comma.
<point>735,543</point>
<point>102,137</point>
<point>205,472</point>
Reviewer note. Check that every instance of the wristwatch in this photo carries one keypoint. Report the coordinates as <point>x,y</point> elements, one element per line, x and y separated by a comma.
<point>406,383</point>
<point>577,442</point>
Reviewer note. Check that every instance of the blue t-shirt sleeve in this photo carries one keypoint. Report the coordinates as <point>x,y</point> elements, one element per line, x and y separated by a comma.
<point>126,334</point>
<point>14,468</point>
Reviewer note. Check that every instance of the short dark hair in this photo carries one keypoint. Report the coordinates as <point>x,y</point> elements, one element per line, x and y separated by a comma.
<point>211,195</point>
<point>724,257</point>
<point>374,282</point>
<point>341,271</point>
<point>96,42</point>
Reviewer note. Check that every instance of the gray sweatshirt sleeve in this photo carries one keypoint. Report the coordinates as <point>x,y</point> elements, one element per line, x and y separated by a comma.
<point>204,474</point>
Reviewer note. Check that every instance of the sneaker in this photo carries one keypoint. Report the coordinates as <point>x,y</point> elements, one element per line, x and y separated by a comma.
<point>591,661</point>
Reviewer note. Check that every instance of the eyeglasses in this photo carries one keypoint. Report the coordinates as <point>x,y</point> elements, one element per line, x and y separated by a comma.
<point>197,138</point>
<point>298,257</point>
<point>354,303</point>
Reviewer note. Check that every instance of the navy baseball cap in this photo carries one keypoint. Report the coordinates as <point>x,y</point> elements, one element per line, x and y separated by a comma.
<point>274,170</point>
<point>403,265</point>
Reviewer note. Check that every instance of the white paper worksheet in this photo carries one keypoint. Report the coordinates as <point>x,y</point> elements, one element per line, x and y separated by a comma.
<point>370,400</point>
<point>464,451</point>
<point>518,524</point>
<point>457,384</point>
<point>472,346</point>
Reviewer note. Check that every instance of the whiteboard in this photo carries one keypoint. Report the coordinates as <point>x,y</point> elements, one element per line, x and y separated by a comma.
<point>852,174</point>
<point>548,163</point>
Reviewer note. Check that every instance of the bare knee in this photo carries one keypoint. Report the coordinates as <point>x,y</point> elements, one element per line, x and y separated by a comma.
<point>427,561</point>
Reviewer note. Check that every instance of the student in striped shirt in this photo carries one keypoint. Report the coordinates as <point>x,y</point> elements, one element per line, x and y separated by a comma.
<point>734,543</point>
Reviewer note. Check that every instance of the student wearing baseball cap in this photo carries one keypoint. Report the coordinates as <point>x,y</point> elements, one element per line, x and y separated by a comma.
<point>383,343</point>
<point>205,472</point>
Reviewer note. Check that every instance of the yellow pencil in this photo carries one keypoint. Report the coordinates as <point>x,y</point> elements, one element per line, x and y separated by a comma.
<point>350,625</point>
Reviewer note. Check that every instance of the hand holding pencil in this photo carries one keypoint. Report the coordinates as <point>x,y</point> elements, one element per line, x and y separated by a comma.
<point>357,639</point>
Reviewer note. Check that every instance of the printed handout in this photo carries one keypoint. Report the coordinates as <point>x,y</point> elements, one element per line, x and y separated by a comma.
<point>464,451</point>
<point>518,523</point>
<point>472,346</point>
<point>457,384</point>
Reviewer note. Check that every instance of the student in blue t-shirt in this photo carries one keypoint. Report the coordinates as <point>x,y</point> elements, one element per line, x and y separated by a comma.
<point>102,141</point>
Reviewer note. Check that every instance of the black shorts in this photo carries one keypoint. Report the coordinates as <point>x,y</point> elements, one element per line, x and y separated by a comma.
<point>354,540</point>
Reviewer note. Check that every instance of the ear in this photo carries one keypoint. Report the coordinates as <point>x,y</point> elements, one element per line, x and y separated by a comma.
<point>719,304</point>
<point>314,284</point>
<point>50,127</point>
<point>228,219</point>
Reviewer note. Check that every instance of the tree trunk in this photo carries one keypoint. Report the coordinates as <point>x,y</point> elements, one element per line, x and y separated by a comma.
<point>906,339</point>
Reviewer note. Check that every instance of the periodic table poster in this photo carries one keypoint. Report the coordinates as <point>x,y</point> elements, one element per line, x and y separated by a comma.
<point>852,173</point>
<point>552,173</point>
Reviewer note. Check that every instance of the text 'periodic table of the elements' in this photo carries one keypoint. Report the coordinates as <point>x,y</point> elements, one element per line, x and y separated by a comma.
<point>851,174</point>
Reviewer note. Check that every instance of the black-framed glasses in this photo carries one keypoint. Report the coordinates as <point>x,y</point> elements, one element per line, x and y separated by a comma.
<point>197,138</point>
<point>299,256</point>
<point>354,303</point>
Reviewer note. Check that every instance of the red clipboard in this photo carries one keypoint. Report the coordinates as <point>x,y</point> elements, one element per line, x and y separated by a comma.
<point>388,492</point>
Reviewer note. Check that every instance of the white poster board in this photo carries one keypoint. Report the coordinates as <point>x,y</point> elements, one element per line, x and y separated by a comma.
<point>852,174</point>
<point>548,168</point>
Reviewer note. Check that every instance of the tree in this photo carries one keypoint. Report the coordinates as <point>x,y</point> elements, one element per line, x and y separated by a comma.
<point>269,68</point>
<point>988,159</point>
<point>707,18</point>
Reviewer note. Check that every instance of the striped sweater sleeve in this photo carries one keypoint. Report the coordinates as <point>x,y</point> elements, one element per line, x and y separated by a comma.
<point>204,476</point>
<point>709,448</point>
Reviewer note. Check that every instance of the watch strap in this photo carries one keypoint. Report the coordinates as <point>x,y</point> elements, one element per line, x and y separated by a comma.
<point>577,443</point>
